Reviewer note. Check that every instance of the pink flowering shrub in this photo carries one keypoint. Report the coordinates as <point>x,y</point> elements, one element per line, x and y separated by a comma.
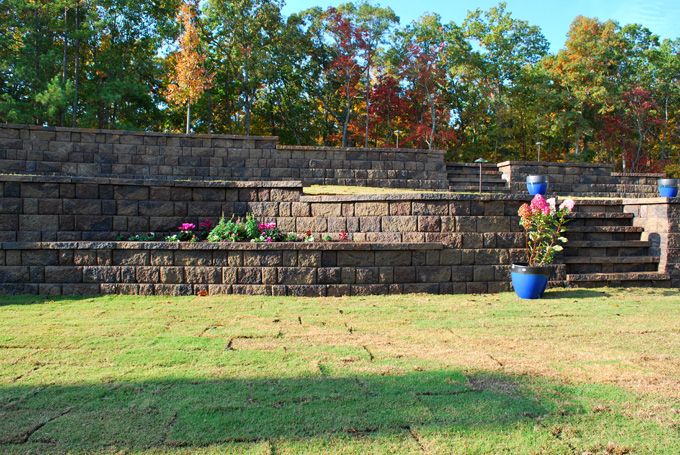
<point>187,232</point>
<point>544,223</point>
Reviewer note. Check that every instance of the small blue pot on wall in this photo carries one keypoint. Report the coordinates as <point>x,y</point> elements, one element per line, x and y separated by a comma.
<point>668,187</point>
<point>529,282</point>
<point>537,184</point>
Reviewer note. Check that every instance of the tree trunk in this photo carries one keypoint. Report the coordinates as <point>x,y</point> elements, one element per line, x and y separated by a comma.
<point>188,118</point>
<point>210,113</point>
<point>368,98</point>
<point>348,109</point>
<point>62,114</point>
<point>77,67</point>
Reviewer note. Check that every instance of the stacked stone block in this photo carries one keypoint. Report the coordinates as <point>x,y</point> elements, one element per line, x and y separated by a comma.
<point>329,269</point>
<point>127,154</point>
<point>580,179</point>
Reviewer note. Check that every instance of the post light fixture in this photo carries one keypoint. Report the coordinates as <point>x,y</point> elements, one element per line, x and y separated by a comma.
<point>538,144</point>
<point>398,133</point>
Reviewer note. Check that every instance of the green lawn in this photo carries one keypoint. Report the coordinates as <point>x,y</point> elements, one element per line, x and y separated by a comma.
<point>584,371</point>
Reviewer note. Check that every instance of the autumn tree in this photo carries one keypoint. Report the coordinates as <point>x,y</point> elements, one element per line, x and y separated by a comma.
<point>189,78</point>
<point>375,23</point>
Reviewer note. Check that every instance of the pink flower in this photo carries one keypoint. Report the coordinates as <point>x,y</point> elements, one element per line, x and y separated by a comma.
<point>552,203</point>
<point>538,203</point>
<point>205,224</point>
<point>343,235</point>
<point>266,226</point>
<point>568,204</point>
<point>187,227</point>
<point>269,240</point>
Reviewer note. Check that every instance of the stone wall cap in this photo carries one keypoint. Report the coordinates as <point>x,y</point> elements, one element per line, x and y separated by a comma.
<point>654,175</point>
<point>433,196</point>
<point>137,133</point>
<point>551,163</point>
<point>177,181</point>
<point>323,148</point>
<point>229,246</point>
<point>651,201</point>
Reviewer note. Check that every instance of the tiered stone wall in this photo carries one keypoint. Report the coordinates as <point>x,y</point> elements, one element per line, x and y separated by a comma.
<point>660,218</point>
<point>304,269</point>
<point>586,179</point>
<point>96,208</point>
<point>81,152</point>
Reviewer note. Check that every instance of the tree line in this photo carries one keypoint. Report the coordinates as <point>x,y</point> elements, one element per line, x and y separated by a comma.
<point>352,76</point>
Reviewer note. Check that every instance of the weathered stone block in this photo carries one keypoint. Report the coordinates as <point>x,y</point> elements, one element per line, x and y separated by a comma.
<point>296,275</point>
<point>249,275</point>
<point>309,258</point>
<point>429,224</point>
<point>326,209</point>
<point>131,257</point>
<point>371,209</point>
<point>148,274</point>
<point>431,208</point>
<point>63,274</point>
<point>262,258</point>
<point>193,258</point>
<point>399,224</point>
<point>203,275</point>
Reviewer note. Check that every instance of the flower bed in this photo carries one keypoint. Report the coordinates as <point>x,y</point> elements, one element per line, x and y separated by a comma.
<point>248,229</point>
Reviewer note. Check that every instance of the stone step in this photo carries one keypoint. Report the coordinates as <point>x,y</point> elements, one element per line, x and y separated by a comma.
<point>604,259</point>
<point>602,215</point>
<point>470,188</point>
<point>625,279</point>
<point>475,179</point>
<point>600,219</point>
<point>609,264</point>
<point>606,229</point>
<point>472,172</point>
<point>604,233</point>
<point>609,248</point>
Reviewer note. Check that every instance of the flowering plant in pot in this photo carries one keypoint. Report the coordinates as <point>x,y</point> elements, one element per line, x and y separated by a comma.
<point>544,224</point>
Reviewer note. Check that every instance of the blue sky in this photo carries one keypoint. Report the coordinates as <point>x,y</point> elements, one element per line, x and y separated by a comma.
<point>553,16</point>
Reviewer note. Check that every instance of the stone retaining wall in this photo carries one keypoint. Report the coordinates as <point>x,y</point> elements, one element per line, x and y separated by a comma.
<point>580,179</point>
<point>127,154</point>
<point>660,218</point>
<point>69,209</point>
<point>303,269</point>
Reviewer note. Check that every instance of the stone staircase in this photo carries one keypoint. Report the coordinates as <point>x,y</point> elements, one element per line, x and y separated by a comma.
<point>464,178</point>
<point>605,249</point>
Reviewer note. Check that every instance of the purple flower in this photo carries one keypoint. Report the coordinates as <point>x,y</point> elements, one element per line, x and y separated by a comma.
<point>187,227</point>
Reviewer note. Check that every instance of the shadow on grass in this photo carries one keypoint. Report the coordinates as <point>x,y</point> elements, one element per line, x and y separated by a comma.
<point>574,294</point>
<point>27,299</point>
<point>186,413</point>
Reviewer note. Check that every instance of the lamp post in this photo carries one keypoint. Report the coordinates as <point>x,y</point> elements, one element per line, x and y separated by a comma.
<point>481,161</point>
<point>538,144</point>
<point>397,133</point>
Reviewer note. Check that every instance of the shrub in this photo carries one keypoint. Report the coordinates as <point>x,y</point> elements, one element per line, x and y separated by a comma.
<point>227,231</point>
<point>544,226</point>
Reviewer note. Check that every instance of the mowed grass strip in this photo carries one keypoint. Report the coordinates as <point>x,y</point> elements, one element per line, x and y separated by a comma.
<point>595,371</point>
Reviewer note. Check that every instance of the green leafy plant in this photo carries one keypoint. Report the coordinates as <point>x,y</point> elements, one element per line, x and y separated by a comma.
<point>227,231</point>
<point>544,223</point>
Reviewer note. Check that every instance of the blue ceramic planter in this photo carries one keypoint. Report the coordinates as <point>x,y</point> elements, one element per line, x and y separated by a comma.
<point>529,282</point>
<point>668,187</point>
<point>537,184</point>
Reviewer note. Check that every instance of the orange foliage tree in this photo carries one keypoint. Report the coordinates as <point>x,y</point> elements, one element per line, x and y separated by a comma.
<point>189,78</point>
